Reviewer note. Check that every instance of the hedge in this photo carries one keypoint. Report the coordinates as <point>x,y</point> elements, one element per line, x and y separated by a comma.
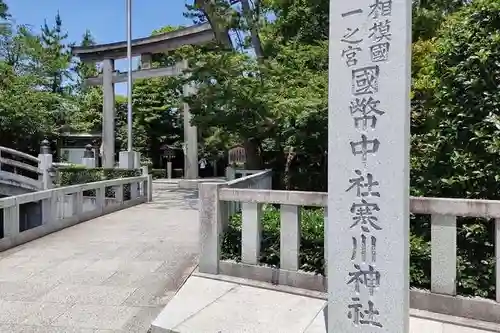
<point>80,175</point>
<point>162,173</point>
<point>75,175</point>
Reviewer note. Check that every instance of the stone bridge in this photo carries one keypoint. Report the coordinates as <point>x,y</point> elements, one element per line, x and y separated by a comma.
<point>19,172</point>
<point>127,262</point>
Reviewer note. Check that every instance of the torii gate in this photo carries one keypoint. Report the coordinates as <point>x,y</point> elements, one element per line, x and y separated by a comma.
<point>144,47</point>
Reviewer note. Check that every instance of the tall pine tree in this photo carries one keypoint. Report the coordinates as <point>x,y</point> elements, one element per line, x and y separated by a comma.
<point>55,56</point>
<point>82,70</point>
<point>89,99</point>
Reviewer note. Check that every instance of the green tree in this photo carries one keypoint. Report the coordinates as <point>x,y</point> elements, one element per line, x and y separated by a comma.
<point>54,56</point>
<point>274,107</point>
<point>303,21</point>
<point>4,10</point>
<point>429,15</point>
<point>84,70</point>
<point>456,125</point>
<point>25,114</point>
<point>87,116</point>
<point>26,111</point>
<point>156,118</point>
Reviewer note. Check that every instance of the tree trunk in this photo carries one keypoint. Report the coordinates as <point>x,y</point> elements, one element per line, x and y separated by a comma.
<point>287,175</point>
<point>254,160</point>
<point>254,29</point>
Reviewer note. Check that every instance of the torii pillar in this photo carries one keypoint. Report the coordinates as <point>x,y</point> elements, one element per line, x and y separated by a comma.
<point>190,134</point>
<point>108,114</point>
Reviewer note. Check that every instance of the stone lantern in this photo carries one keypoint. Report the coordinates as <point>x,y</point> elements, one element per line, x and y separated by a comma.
<point>169,155</point>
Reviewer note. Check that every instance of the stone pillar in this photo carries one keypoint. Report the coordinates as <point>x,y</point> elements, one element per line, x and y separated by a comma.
<point>148,188</point>
<point>137,160</point>
<point>230,173</point>
<point>190,135</point>
<point>48,206</point>
<point>129,160</point>
<point>108,114</point>
<point>368,166</point>
<point>45,165</point>
<point>126,160</point>
<point>169,170</point>
<point>89,157</point>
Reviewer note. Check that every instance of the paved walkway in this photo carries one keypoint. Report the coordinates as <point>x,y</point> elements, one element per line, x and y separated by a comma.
<point>215,304</point>
<point>111,274</point>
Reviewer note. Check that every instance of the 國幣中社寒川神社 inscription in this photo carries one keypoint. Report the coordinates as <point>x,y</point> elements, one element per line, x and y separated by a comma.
<point>366,120</point>
<point>365,82</point>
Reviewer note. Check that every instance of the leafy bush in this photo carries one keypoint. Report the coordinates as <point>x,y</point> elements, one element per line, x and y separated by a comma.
<point>312,250</point>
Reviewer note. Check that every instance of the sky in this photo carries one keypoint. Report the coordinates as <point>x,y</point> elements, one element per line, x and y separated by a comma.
<point>106,19</point>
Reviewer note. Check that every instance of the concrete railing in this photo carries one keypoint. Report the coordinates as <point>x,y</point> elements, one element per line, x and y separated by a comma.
<point>215,213</point>
<point>442,298</point>
<point>66,206</point>
<point>20,169</point>
<point>240,178</point>
<point>233,173</point>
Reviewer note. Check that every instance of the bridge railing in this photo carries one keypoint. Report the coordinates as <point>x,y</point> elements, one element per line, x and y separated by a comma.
<point>215,213</point>
<point>20,168</point>
<point>240,177</point>
<point>66,206</point>
<point>442,297</point>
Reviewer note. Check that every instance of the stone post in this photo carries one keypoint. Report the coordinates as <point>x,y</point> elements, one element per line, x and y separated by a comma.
<point>368,166</point>
<point>169,170</point>
<point>230,173</point>
<point>45,165</point>
<point>89,157</point>
<point>49,206</point>
<point>190,135</point>
<point>126,160</point>
<point>137,160</point>
<point>169,155</point>
<point>108,114</point>
<point>210,221</point>
<point>149,184</point>
<point>129,160</point>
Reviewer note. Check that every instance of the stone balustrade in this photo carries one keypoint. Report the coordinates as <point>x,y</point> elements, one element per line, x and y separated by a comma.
<point>20,170</point>
<point>214,214</point>
<point>234,174</point>
<point>66,206</point>
<point>254,191</point>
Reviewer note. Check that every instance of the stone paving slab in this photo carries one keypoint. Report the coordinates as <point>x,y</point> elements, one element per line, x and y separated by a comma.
<point>113,274</point>
<point>208,305</point>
